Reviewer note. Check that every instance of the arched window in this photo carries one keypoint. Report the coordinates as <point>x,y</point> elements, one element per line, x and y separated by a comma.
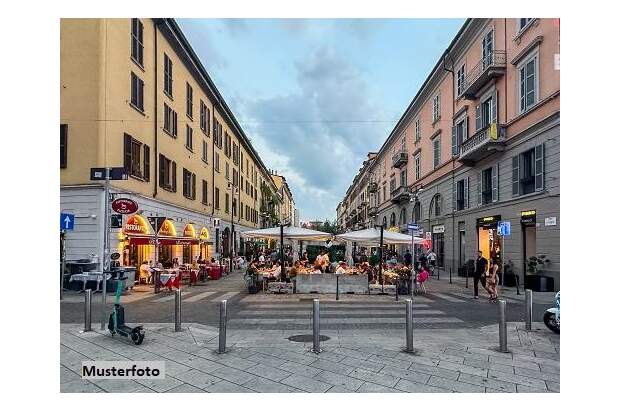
<point>403,217</point>
<point>436,206</point>
<point>393,219</point>
<point>417,212</point>
<point>384,222</point>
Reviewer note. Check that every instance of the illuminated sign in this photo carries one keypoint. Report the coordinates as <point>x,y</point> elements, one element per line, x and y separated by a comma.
<point>167,229</point>
<point>189,231</point>
<point>488,220</point>
<point>204,234</point>
<point>136,225</point>
<point>528,217</point>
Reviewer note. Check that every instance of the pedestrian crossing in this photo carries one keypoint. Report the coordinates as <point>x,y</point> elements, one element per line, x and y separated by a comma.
<point>188,296</point>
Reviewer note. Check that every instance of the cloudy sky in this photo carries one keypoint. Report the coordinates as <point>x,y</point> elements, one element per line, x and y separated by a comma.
<point>315,95</point>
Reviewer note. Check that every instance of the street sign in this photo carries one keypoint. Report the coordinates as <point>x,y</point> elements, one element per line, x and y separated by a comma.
<point>66,222</point>
<point>413,227</point>
<point>116,174</point>
<point>156,222</point>
<point>503,228</point>
<point>116,221</point>
<point>429,236</point>
<point>124,206</point>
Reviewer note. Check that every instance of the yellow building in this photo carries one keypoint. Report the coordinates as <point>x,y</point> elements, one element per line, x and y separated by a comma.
<point>134,94</point>
<point>287,204</point>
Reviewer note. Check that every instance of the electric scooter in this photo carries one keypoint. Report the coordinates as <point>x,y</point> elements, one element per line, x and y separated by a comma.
<point>552,316</point>
<point>116,324</point>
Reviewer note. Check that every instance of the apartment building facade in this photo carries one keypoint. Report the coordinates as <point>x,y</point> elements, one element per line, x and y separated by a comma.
<point>287,202</point>
<point>134,94</point>
<point>479,144</point>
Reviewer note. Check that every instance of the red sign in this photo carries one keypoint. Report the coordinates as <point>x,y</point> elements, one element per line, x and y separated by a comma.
<point>124,206</point>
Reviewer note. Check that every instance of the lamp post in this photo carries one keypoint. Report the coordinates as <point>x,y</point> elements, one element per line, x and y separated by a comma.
<point>282,269</point>
<point>233,191</point>
<point>413,197</point>
<point>381,258</point>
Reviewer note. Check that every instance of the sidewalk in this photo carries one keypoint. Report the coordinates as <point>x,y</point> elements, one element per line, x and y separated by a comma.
<point>353,360</point>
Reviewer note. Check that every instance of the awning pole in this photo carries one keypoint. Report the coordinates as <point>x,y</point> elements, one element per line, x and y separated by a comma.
<point>282,271</point>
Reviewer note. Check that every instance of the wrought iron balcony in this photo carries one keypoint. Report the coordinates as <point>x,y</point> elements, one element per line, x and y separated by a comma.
<point>489,139</point>
<point>491,66</point>
<point>400,194</point>
<point>372,187</point>
<point>373,211</point>
<point>399,159</point>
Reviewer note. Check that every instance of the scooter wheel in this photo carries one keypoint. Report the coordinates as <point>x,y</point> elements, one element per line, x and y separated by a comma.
<point>137,338</point>
<point>551,323</point>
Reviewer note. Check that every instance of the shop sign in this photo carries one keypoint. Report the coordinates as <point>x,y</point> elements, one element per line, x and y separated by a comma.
<point>124,206</point>
<point>189,231</point>
<point>551,221</point>
<point>204,234</point>
<point>167,229</point>
<point>488,220</point>
<point>528,217</point>
<point>439,229</point>
<point>429,236</point>
<point>136,225</point>
<point>115,256</point>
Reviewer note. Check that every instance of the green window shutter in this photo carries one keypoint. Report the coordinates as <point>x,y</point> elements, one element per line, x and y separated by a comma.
<point>515,176</point>
<point>162,171</point>
<point>193,186</point>
<point>539,168</point>
<point>147,163</point>
<point>174,176</point>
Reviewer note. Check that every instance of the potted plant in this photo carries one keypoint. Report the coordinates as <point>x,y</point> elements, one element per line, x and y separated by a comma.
<point>534,279</point>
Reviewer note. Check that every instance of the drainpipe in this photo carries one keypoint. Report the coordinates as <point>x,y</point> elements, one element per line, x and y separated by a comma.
<point>451,71</point>
<point>155,111</point>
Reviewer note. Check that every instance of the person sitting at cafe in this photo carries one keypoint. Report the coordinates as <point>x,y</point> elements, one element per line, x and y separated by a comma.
<point>317,268</point>
<point>342,267</point>
<point>145,272</point>
<point>304,258</point>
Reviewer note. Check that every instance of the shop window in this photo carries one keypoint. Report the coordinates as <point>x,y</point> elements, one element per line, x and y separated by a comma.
<point>64,130</point>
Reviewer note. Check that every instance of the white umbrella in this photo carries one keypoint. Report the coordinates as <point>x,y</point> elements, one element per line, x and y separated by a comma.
<point>372,236</point>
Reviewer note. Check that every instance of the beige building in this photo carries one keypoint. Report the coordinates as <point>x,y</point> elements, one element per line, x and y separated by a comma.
<point>287,203</point>
<point>134,94</point>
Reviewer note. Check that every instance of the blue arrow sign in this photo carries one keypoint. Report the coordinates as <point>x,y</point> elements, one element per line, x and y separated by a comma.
<point>66,222</point>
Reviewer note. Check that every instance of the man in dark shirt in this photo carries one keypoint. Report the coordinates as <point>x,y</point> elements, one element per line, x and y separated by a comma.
<point>479,271</point>
<point>408,258</point>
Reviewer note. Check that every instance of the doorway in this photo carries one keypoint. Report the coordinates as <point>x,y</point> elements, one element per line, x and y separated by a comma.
<point>438,248</point>
<point>529,244</point>
<point>462,247</point>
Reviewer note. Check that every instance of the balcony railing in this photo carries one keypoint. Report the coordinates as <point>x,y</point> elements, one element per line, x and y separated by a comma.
<point>399,159</point>
<point>373,211</point>
<point>400,194</point>
<point>490,66</point>
<point>489,139</point>
<point>372,187</point>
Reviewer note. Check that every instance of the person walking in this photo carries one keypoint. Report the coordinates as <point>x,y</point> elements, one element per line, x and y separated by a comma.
<point>408,258</point>
<point>431,257</point>
<point>479,272</point>
<point>492,280</point>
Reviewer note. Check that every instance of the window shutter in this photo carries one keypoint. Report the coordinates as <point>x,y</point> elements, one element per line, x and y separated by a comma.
<point>466,192</point>
<point>515,176</point>
<point>494,108</point>
<point>454,192</point>
<point>162,173</point>
<point>193,186</point>
<point>478,118</point>
<point>539,168</point>
<point>479,188</point>
<point>466,129</point>
<point>455,146</point>
<point>174,123</point>
<point>174,176</point>
<point>127,153</point>
<point>147,163</point>
<point>494,183</point>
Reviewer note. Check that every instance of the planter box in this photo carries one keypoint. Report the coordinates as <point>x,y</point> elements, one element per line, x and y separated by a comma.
<point>539,283</point>
<point>376,289</point>
<point>280,287</point>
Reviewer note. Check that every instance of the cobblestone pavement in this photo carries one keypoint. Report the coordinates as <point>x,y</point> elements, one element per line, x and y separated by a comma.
<point>353,360</point>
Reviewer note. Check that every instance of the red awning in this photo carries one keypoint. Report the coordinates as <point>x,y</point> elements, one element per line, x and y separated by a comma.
<point>150,240</point>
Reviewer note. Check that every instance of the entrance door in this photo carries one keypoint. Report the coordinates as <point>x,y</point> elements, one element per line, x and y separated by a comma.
<point>483,242</point>
<point>226,242</point>
<point>438,248</point>
<point>529,244</point>
<point>461,248</point>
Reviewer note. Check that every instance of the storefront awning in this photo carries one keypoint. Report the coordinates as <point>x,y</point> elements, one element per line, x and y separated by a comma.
<point>150,240</point>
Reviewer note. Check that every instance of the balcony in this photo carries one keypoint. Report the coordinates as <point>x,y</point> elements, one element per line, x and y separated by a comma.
<point>362,205</point>
<point>400,194</point>
<point>490,139</point>
<point>491,66</point>
<point>373,211</point>
<point>399,159</point>
<point>372,187</point>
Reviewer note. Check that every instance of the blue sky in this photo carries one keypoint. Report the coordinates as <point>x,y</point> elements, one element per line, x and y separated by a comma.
<point>315,95</point>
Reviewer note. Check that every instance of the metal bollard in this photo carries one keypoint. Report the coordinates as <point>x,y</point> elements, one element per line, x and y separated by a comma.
<point>450,275</point>
<point>528,309</point>
<point>87,310</point>
<point>177,310</point>
<point>409,334</point>
<point>222,344</point>
<point>437,272</point>
<point>503,329</point>
<point>316,327</point>
<point>337,287</point>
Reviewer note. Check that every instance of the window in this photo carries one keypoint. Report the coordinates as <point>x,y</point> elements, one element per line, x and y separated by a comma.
<point>393,219</point>
<point>436,206</point>
<point>205,192</point>
<point>235,154</point>
<point>402,219</point>
<point>436,108</point>
<point>216,197</point>
<point>217,161</point>
<point>384,222</point>
<point>416,162</point>
<point>205,149</point>
<point>460,80</point>
<point>528,83</point>
<point>189,137</point>
<point>64,128</point>
<point>486,112</point>
<point>436,152</point>
<point>486,185</point>
<point>167,75</point>
<point>137,92</point>
<point>392,185</point>
<point>417,212</point>
<point>190,100</point>
<point>235,177</point>
<point>205,117</point>
<point>170,121</point>
<point>226,204</point>
<point>403,177</point>
<point>384,193</point>
<point>523,22</point>
<point>241,210</point>
<point>459,134</point>
<point>217,133</point>
<point>528,171</point>
<point>461,194</point>
<point>234,207</point>
<point>417,130</point>
<point>136,158</point>
<point>137,43</point>
<point>167,173</point>
<point>487,49</point>
<point>227,171</point>
<point>189,184</point>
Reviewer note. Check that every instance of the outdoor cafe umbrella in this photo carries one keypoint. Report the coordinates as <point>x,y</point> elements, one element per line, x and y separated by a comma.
<point>287,232</point>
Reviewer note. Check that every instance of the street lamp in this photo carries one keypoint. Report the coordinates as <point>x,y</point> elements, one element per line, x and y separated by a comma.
<point>233,191</point>
<point>381,258</point>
